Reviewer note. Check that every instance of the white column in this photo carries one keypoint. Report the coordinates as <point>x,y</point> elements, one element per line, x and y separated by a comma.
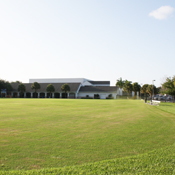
<point>11,94</point>
<point>60,95</point>
<point>31,94</point>
<point>53,95</point>
<point>24,94</point>
<point>132,93</point>
<point>121,91</point>
<point>38,94</point>
<point>18,94</point>
<point>67,95</point>
<point>76,95</point>
<point>138,95</point>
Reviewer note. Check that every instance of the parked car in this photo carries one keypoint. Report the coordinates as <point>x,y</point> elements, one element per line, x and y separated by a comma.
<point>155,98</point>
<point>169,98</point>
<point>162,97</point>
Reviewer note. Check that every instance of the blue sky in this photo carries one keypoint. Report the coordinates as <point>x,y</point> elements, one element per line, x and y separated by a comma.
<point>94,39</point>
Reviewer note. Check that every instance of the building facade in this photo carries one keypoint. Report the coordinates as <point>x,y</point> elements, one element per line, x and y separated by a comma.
<point>79,88</point>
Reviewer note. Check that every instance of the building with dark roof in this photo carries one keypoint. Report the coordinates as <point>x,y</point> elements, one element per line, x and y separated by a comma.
<point>79,88</point>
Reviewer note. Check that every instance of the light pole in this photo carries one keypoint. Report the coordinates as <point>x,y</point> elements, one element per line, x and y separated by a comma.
<point>153,89</point>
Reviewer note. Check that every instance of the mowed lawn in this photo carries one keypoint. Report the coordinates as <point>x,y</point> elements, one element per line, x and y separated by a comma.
<point>45,133</point>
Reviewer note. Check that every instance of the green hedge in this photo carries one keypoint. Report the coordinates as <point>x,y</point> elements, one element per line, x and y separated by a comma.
<point>86,98</point>
<point>109,97</point>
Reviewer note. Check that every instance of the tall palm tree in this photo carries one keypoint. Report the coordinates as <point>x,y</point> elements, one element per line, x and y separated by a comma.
<point>128,87</point>
<point>136,87</point>
<point>145,91</point>
<point>120,83</point>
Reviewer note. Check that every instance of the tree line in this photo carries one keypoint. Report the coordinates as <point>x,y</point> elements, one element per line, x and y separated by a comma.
<point>35,86</point>
<point>168,87</point>
<point>6,85</point>
<point>128,87</point>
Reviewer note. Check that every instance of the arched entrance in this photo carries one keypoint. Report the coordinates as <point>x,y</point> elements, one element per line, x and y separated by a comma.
<point>3,95</point>
<point>21,95</point>
<point>9,95</point>
<point>57,95</point>
<point>96,96</point>
<point>28,95</point>
<point>42,95</point>
<point>3,92</point>
<point>72,95</point>
<point>35,95</point>
<point>49,95</point>
<point>64,95</point>
<point>15,95</point>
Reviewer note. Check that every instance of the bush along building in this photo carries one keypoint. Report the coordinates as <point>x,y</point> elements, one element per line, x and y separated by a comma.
<point>77,88</point>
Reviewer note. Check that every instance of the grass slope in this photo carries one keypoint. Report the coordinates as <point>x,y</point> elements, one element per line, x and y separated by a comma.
<point>160,161</point>
<point>41,133</point>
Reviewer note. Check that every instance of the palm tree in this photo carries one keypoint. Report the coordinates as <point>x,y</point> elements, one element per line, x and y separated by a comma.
<point>145,91</point>
<point>120,83</point>
<point>35,86</point>
<point>65,88</point>
<point>50,88</point>
<point>128,87</point>
<point>21,89</point>
<point>136,87</point>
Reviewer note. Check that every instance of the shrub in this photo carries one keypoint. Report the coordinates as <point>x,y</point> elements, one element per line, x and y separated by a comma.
<point>86,98</point>
<point>8,96</point>
<point>96,96</point>
<point>110,96</point>
<point>134,97</point>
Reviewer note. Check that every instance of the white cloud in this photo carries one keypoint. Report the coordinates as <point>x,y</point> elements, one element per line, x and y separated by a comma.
<point>162,13</point>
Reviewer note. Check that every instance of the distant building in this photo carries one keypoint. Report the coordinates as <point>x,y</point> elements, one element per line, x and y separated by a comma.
<point>79,88</point>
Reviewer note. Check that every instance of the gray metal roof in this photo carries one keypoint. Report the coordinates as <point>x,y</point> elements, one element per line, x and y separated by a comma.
<point>73,87</point>
<point>100,82</point>
<point>98,89</point>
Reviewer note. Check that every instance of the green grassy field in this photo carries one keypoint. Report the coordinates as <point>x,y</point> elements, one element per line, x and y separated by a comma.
<point>51,133</point>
